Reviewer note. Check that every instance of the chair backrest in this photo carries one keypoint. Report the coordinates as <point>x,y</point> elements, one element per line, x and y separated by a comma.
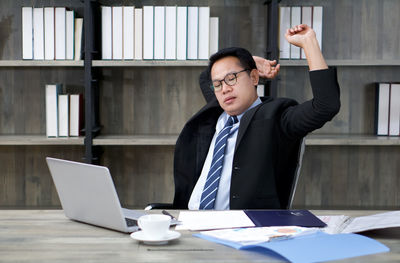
<point>297,173</point>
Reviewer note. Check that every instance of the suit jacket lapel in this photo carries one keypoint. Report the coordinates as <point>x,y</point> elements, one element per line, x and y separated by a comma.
<point>244,123</point>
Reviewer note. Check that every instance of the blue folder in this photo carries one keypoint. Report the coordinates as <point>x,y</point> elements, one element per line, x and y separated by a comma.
<point>315,247</point>
<point>302,218</point>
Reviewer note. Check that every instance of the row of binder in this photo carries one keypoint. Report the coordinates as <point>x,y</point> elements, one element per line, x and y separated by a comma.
<point>387,110</point>
<point>158,32</point>
<point>64,112</point>
<point>290,16</point>
<point>51,33</point>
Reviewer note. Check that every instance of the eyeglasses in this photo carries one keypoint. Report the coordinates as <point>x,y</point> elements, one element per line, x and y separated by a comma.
<point>230,80</point>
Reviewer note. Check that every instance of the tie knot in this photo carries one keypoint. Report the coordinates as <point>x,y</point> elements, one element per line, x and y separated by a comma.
<point>232,120</point>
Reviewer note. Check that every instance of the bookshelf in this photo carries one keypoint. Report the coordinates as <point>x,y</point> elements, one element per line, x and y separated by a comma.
<point>137,108</point>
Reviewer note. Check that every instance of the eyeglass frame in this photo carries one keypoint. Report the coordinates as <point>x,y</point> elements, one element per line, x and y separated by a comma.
<point>224,80</point>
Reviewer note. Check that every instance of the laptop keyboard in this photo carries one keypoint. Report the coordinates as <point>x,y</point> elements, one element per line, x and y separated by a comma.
<point>131,222</point>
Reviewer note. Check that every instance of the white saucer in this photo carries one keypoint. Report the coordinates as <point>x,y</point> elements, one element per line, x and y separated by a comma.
<point>171,235</point>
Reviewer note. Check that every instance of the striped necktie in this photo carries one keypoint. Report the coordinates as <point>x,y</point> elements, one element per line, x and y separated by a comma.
<point>210,190</point>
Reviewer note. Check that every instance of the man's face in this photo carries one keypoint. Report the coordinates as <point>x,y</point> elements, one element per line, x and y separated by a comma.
<point>237,98</point>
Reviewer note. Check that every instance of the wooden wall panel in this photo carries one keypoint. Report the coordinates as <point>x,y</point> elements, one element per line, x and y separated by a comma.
<point>25,180</point>
<point>349,177</point>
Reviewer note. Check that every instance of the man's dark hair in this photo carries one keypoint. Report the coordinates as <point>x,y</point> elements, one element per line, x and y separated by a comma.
<point>245,58</point>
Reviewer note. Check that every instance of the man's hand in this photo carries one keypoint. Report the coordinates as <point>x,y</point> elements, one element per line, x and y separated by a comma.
<point>266,68</point>
<point>304,37</point>
<point>299,35</point>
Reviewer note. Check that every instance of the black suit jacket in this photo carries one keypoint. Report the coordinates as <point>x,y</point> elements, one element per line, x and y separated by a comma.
<point>266,148</point>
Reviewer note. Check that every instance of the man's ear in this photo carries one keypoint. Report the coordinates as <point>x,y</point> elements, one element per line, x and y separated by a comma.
<point>254,76</point>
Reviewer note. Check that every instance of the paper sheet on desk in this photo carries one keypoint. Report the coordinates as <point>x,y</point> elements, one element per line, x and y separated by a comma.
<point>345,224</point>
<point>205,220</point>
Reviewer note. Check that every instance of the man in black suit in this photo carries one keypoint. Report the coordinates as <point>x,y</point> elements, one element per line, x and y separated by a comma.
<point>259,151</point>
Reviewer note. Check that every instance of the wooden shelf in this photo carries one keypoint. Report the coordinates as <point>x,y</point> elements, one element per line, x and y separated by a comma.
<point>150,63</point>
<point>135,140</point>
<point>342,62</point>
<point>351,140</point>
<point>311,140</point>
<point>41,63</point>
<point>39,140</point>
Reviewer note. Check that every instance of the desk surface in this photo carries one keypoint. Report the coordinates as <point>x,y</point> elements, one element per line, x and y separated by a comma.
<point>48,236</point>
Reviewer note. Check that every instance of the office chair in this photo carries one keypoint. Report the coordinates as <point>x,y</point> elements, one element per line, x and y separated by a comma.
<point>286,186</point>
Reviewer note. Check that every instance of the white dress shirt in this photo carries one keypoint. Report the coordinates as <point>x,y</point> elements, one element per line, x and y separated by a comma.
<point>222,198</point>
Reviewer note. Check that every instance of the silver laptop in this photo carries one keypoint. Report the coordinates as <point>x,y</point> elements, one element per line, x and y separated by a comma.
<point>88,195</point>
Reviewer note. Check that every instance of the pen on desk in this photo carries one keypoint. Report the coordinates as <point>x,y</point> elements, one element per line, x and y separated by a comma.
<point>168,214</point>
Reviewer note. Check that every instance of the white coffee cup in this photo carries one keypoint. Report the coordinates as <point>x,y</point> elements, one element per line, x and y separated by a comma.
<point>154,226</point>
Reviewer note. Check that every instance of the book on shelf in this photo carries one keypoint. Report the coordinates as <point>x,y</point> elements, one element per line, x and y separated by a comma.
<point>78,38</point>
<point>148,32</point>
<point>138,33</point>
<point>60,33</point>
<point>387,109</point>
<point>192,32</point>
<point>38,34</point>
<point>204,32</point>
<point>52,92</point>
<point>306,18</point>
<point>214,34</point>
<point>27,33</point>
<point>117,39</point>
<point>75,114</point>
<point>295,19</point>
<point>159,32</point>
<point>170,32</point>
<point>49,33</point>
<point>128,32</point>
<point>284,24</point>
<point>181,34</point>
<point>69,34</point>
<point>317,23</point>
<point>290,16</point>
<point>394,118</point>
<point>106,32</point>
<point>63,115</point>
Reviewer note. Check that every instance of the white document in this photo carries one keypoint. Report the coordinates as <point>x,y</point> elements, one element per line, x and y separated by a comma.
<point>69,36</point>
<point>75,114</point>
<point>382,106</point>
<point>138,33</point>
<point>193,32</point>
<point>38,34</point>
<point>148,32</point>
<point>295,20</point>
<point>206,220</point>
<point>170,32</point>
<point>106,32</point>
<point>128,34</point>
<point>394,122</point>
<point>27,33</point>
<point>159,32</point>
<point>256,235</point>
<point>204,32</point>
<point>181,34</point>
<point>306,18</point>
<point>317,23</point>
<point>345,224</point>
<point>117,39</point>
<point>284,24</point>
<point>214,35</point>
<point>60,29</point>
<point>49,33</point>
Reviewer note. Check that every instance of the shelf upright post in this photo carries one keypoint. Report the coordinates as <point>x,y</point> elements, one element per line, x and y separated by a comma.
<point>272,51</point>
<point>91,87</point>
